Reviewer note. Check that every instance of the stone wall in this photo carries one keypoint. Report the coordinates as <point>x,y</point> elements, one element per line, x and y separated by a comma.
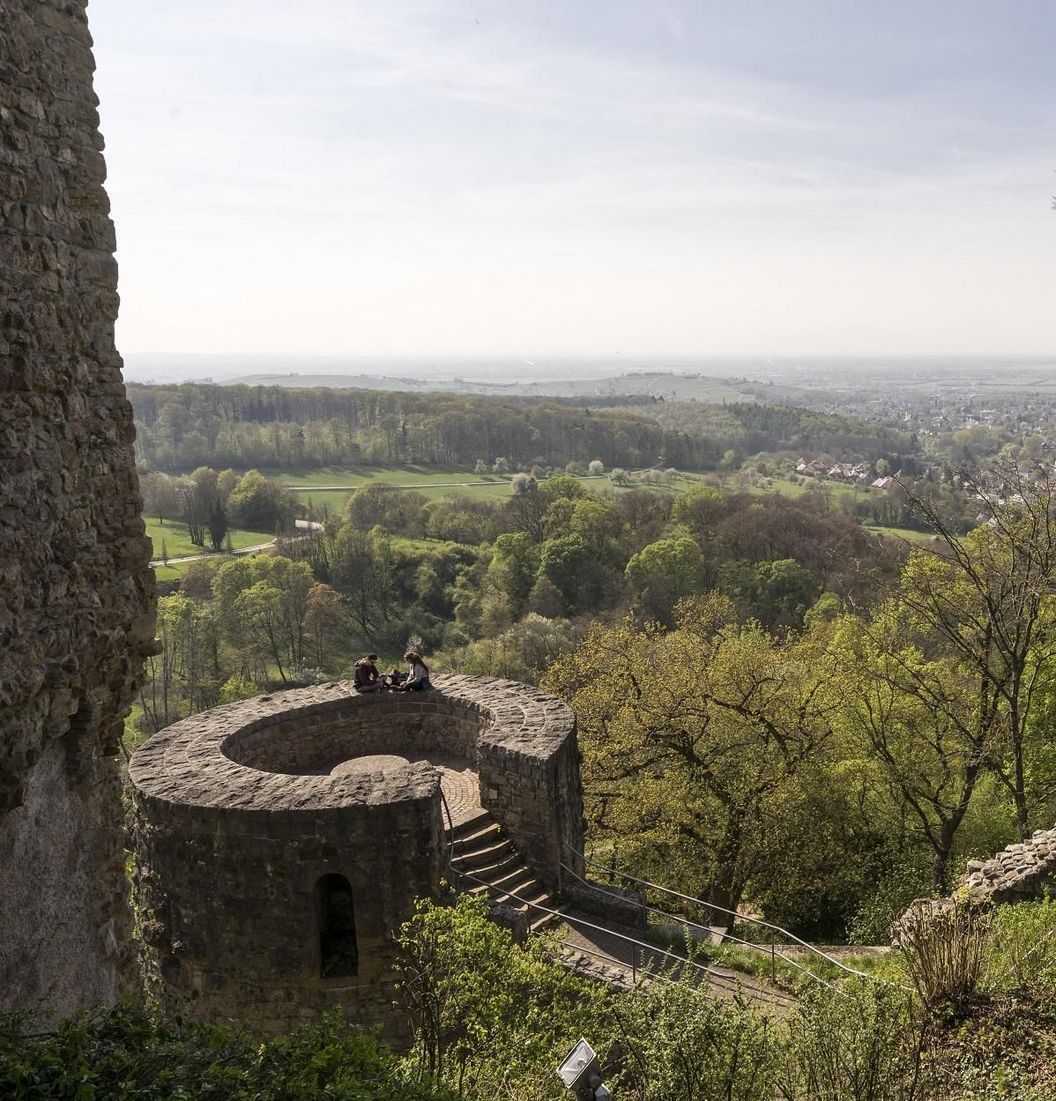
<point>239,818</point>
<point>1019,872</point>
<point>76,609</point>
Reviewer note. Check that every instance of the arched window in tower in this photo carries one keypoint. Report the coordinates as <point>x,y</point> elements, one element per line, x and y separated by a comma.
<point>338,953</point>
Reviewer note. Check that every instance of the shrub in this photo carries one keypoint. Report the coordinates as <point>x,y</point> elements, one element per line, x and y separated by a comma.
<point>943,949</point>
<point>855,1042</point>
<point>1021,953</point>
<point>671,1040</point>
<point>127,1053</point>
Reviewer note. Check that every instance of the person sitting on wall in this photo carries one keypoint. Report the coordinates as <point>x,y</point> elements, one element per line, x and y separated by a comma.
<point>366,675</point>
<point>418,676</point>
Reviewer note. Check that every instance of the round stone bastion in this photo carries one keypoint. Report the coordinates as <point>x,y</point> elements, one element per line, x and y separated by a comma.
<point>281,841</point>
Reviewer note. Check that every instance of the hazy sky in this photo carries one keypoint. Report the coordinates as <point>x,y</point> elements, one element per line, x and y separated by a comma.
<point>581,176</point>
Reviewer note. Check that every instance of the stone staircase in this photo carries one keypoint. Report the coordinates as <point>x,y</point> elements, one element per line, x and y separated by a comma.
<point>485,862</point>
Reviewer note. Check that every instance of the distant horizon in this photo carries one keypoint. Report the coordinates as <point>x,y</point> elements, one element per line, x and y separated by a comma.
<point>169,367</point>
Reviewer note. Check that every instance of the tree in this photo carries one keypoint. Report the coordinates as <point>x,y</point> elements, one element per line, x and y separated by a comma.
<point>481,468</point>
<point>571,565</point>
<point>595,467</point>
<point>399,512</point>
<point>472,997</point>
<point>217,522</point>
<point>918,722</point>
<point>324,619</point>
<point>263,603</point>
<point>696,740</point>
<point>662,574</point>
<point>522,652</point>
<point>260,504</point>
<point>363,571</point>
<point>989,597</point>
<point>512,570</point>
<point>500,467</point>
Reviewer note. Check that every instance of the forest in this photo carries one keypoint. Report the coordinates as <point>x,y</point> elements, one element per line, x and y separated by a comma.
<point>778,709</point>
<point>183,427</point>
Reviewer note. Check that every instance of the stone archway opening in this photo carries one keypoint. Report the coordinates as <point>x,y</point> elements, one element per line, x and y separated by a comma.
<point>336,921</point>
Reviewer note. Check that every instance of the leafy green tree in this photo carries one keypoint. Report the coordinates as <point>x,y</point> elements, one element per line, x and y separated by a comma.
<point>700,509</point>
<point>364,572</point>
<point>918,723</point>
<point>514,563</point>
<point>522,652</point>
<point>325,620</point>
<point>784,590</point>
<point>261,504</point>
<point>263,603</point>
<point>988,598</point>
<point>397,511</point>
<point>662,574</point>
<point>694,741</point>
<point>571,565</point>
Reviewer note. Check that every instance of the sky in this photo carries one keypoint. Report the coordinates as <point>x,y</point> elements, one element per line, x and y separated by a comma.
<point>581,177</point>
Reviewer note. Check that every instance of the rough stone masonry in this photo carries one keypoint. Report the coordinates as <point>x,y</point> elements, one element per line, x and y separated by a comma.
<point>76,599</point>
<point>245,813</point>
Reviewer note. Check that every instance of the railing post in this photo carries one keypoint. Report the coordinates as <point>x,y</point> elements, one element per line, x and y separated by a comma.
<point>773,962</point>
<point>634,963</point>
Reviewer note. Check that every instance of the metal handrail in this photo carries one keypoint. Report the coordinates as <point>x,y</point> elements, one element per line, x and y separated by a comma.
<point>718,977</point>
<point>770,950</point>
<point>450,833</point>
<point>732,913</point>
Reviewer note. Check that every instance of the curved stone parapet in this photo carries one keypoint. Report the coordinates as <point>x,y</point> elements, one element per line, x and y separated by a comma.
<point>243,812</point>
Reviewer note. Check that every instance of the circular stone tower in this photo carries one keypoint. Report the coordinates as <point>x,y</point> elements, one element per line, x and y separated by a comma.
<point>282,840</point>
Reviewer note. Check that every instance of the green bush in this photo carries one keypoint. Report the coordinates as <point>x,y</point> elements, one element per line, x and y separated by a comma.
<point>489,1018</point>
<point>126,1053</point>
<point>1020,955</point>
<point>667,1040</point>
<point>854,1042</point>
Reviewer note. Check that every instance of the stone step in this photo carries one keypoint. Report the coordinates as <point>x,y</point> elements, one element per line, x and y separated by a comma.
<point>479,823</point>
<point>502,863</point>
<point>484,856</point>
<point>541,921</point>
<point>513,879</point>
<point>527,899</point>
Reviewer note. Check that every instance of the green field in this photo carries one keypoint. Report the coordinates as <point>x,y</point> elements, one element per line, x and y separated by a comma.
<point>923,538</point>
<point>178,543</point>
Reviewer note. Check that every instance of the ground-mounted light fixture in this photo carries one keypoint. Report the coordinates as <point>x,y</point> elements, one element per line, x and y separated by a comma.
<point>580,1071</point>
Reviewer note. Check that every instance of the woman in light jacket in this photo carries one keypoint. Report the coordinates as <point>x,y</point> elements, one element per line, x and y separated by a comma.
<point>418,678</point>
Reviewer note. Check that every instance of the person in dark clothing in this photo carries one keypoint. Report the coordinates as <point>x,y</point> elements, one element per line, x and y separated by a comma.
<point>366,676</point>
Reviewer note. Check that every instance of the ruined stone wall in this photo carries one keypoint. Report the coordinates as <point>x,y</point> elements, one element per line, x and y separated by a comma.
<point>75,590</point>
<point>1018,873</point>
